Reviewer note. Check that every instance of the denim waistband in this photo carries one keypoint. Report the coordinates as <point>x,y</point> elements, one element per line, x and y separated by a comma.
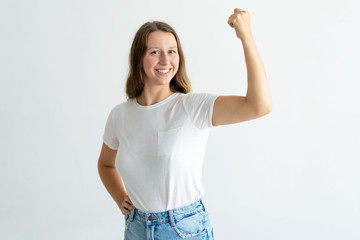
<point>161,217</point>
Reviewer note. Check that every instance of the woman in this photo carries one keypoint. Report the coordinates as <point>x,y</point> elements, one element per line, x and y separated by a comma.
<point>156,140</point>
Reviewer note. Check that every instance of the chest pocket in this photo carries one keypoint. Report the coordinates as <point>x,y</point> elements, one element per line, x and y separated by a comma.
<point>170,141</point>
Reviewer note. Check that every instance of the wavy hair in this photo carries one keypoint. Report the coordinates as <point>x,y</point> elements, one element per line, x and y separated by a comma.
<point>135,80</point>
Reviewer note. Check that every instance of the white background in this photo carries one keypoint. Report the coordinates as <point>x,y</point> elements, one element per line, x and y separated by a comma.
<point>292,174</point>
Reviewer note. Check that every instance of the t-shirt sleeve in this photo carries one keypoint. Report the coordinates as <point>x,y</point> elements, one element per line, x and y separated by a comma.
<point>199,107</point>
<point>109,137</point>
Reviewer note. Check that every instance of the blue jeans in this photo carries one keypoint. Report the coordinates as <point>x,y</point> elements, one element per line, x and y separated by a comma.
<point>191,222</point>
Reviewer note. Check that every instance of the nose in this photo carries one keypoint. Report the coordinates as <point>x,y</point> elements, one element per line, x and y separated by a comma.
<point>164,59</point>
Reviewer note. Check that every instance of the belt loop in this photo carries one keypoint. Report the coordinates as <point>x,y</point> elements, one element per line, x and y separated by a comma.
<point>203,204</point>
<point>171,218</point>
<point>131,217</point>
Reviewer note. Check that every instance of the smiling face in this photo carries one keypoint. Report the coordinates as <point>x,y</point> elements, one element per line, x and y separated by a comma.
<point>161,59</point>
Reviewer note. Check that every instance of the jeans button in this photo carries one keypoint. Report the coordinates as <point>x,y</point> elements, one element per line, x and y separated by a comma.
<point>151,218</point>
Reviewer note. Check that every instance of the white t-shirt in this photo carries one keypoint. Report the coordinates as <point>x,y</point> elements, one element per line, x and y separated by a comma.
<point>161,148</point>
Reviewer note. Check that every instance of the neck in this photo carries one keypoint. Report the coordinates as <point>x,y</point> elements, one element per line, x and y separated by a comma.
<point>148,98</point>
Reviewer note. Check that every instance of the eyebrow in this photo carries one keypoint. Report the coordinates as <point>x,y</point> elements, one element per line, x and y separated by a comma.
<point>159,47</point>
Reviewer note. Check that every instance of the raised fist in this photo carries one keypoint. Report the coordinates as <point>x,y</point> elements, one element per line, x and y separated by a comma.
<point>240,21</point>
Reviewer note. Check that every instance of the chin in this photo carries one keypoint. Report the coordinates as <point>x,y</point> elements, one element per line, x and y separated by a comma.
<point>167,81</point>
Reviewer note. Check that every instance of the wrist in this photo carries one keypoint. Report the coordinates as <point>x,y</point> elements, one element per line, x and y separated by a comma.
<point>248,37</point>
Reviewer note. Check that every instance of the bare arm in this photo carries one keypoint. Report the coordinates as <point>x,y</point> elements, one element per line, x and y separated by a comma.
<point>257,102</point>
<point>258,93</point>
<point>112,180</point>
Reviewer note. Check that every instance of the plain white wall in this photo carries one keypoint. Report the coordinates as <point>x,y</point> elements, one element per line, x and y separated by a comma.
<point>292,174</point>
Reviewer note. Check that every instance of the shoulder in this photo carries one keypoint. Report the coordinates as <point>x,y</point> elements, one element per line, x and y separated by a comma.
<point>119,108</point>
<point>198,100</point>
<point>198,96</point>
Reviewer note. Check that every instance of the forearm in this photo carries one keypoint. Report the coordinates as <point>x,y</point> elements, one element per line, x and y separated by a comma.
<point>258,92</point>
<point>112,182</point>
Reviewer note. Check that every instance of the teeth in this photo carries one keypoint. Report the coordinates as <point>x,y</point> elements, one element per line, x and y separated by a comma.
<point>164,71</point>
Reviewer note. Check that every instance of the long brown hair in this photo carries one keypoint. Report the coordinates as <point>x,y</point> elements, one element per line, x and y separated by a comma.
<point>135,80</point>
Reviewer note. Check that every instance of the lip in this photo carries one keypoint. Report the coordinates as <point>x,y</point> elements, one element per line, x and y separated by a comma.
<point>163,68</point>
<point>164,74</point>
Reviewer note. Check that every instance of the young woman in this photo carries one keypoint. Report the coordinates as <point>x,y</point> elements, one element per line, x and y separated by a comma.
<point>156,140</point>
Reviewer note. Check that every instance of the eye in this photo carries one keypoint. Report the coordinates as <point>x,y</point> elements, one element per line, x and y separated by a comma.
<point>155,52</point>
<point>172,51</point>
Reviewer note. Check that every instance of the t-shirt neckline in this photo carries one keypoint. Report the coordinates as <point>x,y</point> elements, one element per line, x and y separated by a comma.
<point>156,104</point>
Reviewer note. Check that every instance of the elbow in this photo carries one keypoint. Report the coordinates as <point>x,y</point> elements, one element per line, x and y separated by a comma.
<point>261,108</point>
<point>267,108</point>
<point>264,111</point>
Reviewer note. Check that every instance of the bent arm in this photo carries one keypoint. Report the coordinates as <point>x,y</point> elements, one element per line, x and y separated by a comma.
<point>258,92</point>
<point>256,103</point>
<point>110,176</point>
